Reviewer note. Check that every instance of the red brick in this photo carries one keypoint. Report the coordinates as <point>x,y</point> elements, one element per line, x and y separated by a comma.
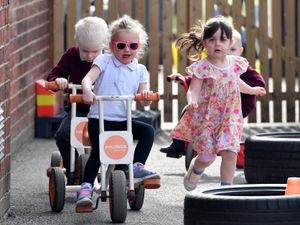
<point>4,71</point>
<point>4,3</point>
<point>25,121</point>
<point>32,9</point>
<point>4,93</point>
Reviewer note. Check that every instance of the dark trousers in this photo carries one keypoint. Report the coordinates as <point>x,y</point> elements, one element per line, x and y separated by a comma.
<point>142,132</point>
<point>63,141</point>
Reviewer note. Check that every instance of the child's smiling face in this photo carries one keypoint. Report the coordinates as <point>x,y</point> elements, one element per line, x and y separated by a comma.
<point>124,44</point>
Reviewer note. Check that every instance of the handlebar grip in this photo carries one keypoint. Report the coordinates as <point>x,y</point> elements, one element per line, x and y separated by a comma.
<point>178,77</point>
<point>153,97</point>
<point>51,85</point>
<point>76,98</point>
<point>183,80</point>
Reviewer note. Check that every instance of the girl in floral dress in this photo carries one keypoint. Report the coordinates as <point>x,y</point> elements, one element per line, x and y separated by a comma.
<point>213,121</point>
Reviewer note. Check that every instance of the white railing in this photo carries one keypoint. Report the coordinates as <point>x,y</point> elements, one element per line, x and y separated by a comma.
<point>1,133</point>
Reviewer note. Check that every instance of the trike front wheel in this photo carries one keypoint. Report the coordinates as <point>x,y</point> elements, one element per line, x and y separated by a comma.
<point>117,196</point>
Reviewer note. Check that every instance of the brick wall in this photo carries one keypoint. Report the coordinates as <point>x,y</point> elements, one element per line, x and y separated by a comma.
<point>29,60</point>
<point>4,102</point>
<point>25,56</point>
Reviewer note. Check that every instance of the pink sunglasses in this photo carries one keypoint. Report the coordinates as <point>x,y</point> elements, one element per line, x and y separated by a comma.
<point>121,45</point>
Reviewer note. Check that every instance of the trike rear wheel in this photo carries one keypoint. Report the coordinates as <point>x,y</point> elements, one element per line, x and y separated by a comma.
<point>56,159</point>
<point>137,202</point>
<point>57,189</point>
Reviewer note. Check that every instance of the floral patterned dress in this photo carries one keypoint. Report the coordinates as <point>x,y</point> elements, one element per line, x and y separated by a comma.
<point>217,123</point>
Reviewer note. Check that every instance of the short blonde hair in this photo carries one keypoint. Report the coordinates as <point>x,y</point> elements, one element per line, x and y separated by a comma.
<point>91,32</point>
<point>127,23</point>
<point>236,36</point>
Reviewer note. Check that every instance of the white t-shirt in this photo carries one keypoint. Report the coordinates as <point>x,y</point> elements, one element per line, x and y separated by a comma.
<point>116,78</point>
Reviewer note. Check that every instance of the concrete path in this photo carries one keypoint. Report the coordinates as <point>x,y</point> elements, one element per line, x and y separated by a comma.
<point>29,190</point>
<point>29,187</point>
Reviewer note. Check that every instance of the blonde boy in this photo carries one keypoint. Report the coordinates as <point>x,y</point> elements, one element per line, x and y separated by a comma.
<point>91,37</point>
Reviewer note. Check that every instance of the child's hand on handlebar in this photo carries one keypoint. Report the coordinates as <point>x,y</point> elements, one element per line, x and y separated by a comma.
<point>62,83</point>
<point>146,93</point>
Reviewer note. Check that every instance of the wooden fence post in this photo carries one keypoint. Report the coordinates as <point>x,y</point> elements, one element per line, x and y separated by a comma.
<point>290,59</point>
<point>167,58</point>
<point>154,37</point>
<point>58,30</point>
<point>276,59</point>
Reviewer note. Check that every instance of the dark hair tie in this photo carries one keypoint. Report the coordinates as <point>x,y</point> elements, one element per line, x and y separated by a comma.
<point>194,37</point>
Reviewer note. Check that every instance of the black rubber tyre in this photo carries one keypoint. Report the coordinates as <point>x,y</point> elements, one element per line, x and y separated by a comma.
<point>117,196</point>
<point>137,202</point>
<point>272,157</point>
<point>80,166</point>
<point>56,159</point>
<point>242,205</point>
<point>57,189</point>
<point>189,155</point>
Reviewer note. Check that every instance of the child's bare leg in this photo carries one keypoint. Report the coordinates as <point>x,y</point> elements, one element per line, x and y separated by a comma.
<point>227,166</point>
<point>203,161</point>
<point>196,169</point>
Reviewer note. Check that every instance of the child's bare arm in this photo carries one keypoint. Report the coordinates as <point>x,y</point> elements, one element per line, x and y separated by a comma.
<point>87,82</point>
<point>193,92</point>
<point>247,89</point>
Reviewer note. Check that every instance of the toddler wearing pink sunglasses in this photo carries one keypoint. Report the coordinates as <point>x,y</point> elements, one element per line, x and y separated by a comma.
<point>118,73</point>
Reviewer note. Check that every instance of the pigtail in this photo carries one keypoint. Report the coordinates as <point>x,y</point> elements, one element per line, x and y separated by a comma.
<point>192,42</point>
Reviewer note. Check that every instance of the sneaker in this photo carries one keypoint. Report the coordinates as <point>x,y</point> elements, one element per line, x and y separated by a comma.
<point>191,179</point>
<point>85,195</point>
<point>140,173</point>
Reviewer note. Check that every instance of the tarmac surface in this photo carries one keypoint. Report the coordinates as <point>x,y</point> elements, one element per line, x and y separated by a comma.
<point>29,187</point>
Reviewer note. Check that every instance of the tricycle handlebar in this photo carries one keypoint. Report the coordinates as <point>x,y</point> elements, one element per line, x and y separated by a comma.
<point>51,85</point>
<point>136,97</point>
<point>181,79</point>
